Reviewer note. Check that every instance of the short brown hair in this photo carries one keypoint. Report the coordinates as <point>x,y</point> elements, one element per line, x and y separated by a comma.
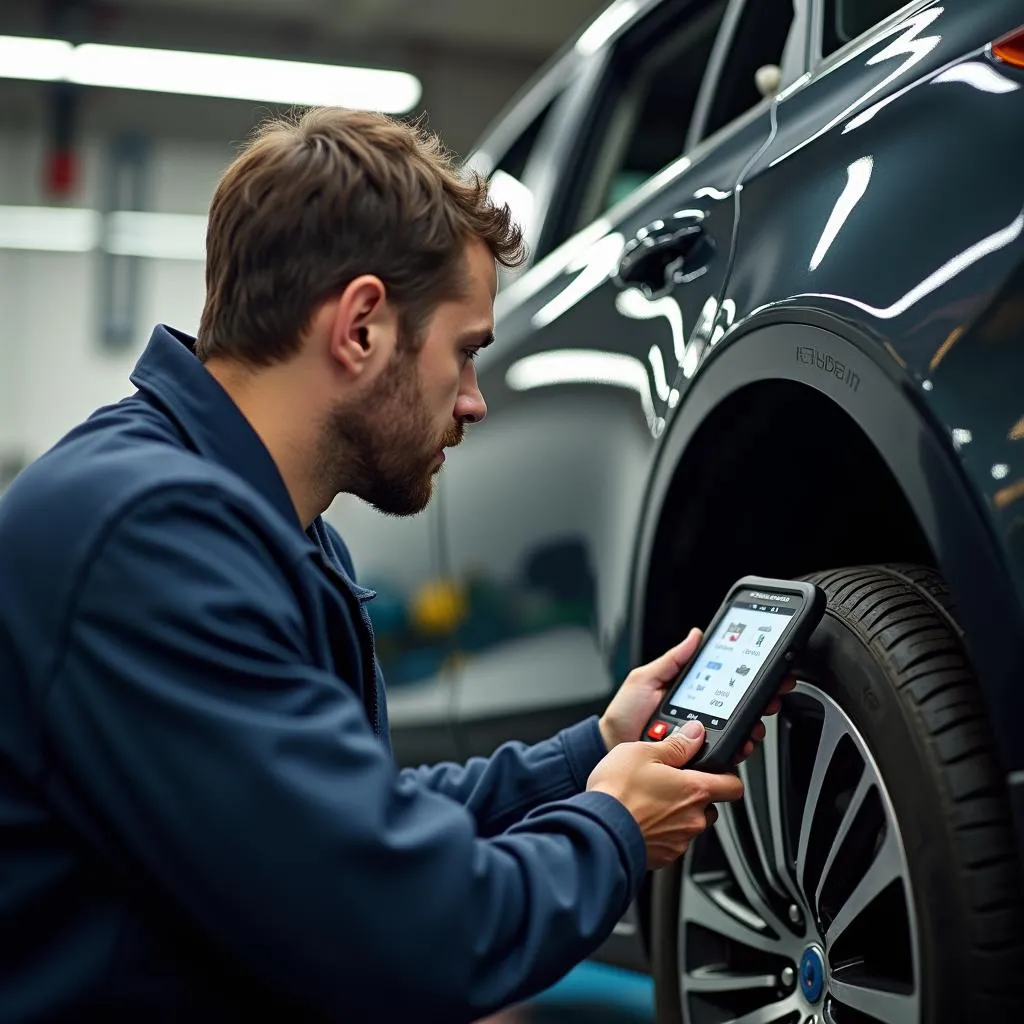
<point>313,202</point>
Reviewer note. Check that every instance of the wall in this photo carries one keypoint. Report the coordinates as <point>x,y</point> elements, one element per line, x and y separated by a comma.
<point>54,369</point>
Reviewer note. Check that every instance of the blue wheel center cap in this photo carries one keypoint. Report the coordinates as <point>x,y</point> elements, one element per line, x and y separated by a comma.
<point>812,974</point>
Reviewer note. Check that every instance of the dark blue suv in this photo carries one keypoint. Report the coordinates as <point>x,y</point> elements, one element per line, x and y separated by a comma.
<point>774,324</point>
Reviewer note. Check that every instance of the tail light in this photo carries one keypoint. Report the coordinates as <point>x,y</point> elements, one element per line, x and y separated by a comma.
<point>1010,48</point>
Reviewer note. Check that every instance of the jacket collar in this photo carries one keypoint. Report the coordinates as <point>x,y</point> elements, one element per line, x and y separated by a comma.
<point>169,372</point>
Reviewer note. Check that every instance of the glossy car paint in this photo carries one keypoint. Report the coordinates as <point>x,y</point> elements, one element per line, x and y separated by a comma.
<point>889,203</point>
<point>861,285</point>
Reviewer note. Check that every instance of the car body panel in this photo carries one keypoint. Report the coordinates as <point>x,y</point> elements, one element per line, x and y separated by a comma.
<point>848,227</point>
<point>853,251</point>
<point>578,359</point>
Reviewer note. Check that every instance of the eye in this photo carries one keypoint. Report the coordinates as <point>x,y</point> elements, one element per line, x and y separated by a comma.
<point>471,353</point>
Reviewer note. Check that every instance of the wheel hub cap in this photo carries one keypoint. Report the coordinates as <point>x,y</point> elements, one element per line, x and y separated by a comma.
<point>812,974</point>
<point>811,859</point>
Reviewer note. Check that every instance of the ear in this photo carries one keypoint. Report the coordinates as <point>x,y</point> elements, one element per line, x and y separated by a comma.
<point>364,328</point>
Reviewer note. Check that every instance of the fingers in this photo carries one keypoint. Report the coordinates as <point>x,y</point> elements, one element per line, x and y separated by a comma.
<point>775,704</point>
<point>745,752</point>
<point>679,748</point>
<point>711,815</point>
<point>720,788</point>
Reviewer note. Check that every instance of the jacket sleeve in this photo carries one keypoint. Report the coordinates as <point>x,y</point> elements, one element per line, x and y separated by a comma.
<point>499,790</point>
<point>195,744</point>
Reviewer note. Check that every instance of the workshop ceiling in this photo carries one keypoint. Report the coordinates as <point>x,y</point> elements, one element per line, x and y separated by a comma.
<point>527,29</point>
<point>471,56</point>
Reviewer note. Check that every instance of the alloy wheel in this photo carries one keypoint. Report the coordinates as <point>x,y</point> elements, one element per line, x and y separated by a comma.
<point>797,908</point>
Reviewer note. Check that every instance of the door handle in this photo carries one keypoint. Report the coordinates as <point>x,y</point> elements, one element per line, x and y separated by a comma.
<point>664,254</point>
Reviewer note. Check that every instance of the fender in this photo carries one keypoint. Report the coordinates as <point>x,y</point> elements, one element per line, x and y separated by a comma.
<point>815,349</point>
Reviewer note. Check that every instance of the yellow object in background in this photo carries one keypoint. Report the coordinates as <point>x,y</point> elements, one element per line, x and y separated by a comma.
<point>438,607</point>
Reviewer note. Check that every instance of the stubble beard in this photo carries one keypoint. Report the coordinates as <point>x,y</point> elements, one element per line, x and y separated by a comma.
<point>384,450</point>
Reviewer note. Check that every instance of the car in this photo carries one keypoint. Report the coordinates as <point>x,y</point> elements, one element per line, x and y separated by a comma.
<point>772,323</point>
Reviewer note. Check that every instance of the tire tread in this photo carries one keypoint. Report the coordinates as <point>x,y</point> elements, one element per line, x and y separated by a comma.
<point>906,615</point>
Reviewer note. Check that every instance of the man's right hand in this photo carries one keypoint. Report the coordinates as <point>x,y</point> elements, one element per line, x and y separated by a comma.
<point>671,807</point>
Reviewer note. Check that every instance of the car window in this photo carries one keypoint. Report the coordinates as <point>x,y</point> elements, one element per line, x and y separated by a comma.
<point>752,66</point>
<point>506,178</point>
<point>517,156</point>
<point>644,107</point>
<point>846,19</point>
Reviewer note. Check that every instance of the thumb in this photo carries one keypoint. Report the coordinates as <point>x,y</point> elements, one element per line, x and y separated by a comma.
<point>676,750</point>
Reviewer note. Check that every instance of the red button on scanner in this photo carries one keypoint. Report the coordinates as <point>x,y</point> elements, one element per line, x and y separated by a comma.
<point>659,730</point>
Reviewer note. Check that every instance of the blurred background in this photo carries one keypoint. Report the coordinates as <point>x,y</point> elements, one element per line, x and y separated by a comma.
<point>110,149</point>
<point>105,178</point>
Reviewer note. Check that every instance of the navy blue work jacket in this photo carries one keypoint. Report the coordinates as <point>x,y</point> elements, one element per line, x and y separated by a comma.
<point>200,817</point>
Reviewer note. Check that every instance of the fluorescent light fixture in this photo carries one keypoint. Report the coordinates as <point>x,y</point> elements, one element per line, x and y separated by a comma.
<point>167,236</point>
<point>49,228</point>
<point>37,60</point>
<point>223,75</point>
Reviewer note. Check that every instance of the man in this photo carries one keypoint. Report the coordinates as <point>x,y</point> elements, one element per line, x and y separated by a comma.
<point>200,818</point>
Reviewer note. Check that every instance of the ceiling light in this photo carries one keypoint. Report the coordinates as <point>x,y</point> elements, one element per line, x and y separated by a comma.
<point>222,75</point>
<point>168,236</point>
<point>49,228</point>
<point>38,60</point>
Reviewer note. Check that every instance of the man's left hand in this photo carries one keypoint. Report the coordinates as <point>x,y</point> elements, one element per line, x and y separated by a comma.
<point>644,689</point>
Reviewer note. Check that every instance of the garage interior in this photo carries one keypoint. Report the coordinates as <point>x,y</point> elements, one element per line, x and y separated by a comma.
<point>744,341</point>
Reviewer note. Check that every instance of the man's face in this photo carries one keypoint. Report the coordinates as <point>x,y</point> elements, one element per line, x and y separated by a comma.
<point>419,405</point>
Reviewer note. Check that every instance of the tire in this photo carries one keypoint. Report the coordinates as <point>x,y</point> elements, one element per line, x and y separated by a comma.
<point>942,944</point>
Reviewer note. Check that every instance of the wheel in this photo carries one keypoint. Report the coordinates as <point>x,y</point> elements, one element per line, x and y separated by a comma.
<point>869,874</point>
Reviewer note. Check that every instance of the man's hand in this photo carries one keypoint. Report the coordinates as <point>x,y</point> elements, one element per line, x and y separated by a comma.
<point>644,689</point>
<point>670,806</point>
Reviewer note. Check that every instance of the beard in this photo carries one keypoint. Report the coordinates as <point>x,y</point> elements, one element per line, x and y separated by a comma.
<point>384,450</point>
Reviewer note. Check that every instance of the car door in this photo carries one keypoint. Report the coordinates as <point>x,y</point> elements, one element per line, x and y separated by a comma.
<point>540,507</point>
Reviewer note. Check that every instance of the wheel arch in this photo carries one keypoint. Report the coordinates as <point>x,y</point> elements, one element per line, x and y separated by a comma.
<point>796,449</point>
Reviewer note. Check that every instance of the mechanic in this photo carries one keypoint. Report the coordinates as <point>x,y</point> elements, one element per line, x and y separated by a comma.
<point>200,816</point>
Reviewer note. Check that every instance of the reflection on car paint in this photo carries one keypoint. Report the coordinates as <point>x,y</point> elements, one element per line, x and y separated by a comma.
<point>593,267</point>
<point>858,174</point>
<point>945,273</point>
<point>908,44</point>
<point>981,76</point>
<point>605,25</point>
<point>586,366</point>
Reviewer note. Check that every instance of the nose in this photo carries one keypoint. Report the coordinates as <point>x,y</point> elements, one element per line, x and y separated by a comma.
<point>470,406</point>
